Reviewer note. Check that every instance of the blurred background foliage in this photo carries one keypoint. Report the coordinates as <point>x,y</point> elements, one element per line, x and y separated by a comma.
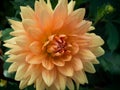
<point>105,15</point>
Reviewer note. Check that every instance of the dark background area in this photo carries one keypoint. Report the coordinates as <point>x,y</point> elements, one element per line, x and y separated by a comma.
<point>105,15</point>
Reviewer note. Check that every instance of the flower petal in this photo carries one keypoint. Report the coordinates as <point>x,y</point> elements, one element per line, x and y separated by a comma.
<point>85,54</point>
<point>35,47</point>
<point>47,63</point>
<point>33,77</point>
<point>70,84</point>
<point>21,69</point>
<point>49,5</point>
<point>76,16</point>
<point>98,51</point>
<point>17,58</point>
<point>60,82</point>
<point>13,67</point>
<point>83,27</point>
<point>77,64</point>
<point>40,85</point>
<point>49,76</point>
<point>16,50</point>
<point>95,40</point>
<point>75,48</point>
<point>71,6</point>
<point>80,77</point>
<point>11,41</point>
<point>59,62</point>
<point>66,58</point>
<point>16,25</point>
<point>34,59</point>
<point>22,41</point>
<point>66,70</point>
<point>23,83</point>
<point>27,12</point>
<point>88,66</point>
<point>17,33</point>
<point>44,13</point>
<point>33,29</point>
<point>95,61</point>
<point>60,13</point>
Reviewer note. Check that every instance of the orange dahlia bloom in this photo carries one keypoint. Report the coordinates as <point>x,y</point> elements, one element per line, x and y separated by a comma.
<point>52,47</point>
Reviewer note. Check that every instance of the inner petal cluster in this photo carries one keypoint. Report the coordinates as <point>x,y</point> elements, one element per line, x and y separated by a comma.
<point>57,45</point>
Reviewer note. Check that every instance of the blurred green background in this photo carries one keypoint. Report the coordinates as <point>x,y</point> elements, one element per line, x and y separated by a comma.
<point>105,15</point>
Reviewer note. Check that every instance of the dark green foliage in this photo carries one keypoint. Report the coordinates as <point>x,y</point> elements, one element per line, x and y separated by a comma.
<point>113,36</point>
<point>105,15</point>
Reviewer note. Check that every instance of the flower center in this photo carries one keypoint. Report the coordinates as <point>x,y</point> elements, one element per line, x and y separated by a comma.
<point>57,45</point>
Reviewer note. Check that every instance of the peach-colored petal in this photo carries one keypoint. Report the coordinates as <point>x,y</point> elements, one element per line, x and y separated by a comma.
<point>83,27</point>
<point>17,58</point>
<point>21,69</point>
<point>88,66</point>
<point>60,13</point>
<point>15,50</point>
<point>16,25</point>
<point>58,62</point>
<point>71,21</point>
<point>95,40</point>
<point>52,87</point>
<point>27,12</point>
<point>13,67</point>
<point>42,6</point>
<point>80,77</point>
<point>40,85</point>
<point>32,29</point>
<point>95,61</point>
<point>71,6</point>
<point>66,70</point>
<point>34,59</point>
<point>22,41</point>
<point>47,63</point>
<point>98,51</point>
<point>49,76</point>
<point>75,48</point>
<point>17,33</point>
<point>44,13</point>
<point>35,75</point>
<point>86,54</point>
<point>23,83</point>
<point>66,58</point>
<point>27,23</point>
<point>70,84</point>
<point>35,47</point>
<point>77,64</point>
<point>49,5</point>
<point>91,28</point>
<point>60,82</point>
<point>11,41</point>
<point>75,16</point>
<point>10,45</point>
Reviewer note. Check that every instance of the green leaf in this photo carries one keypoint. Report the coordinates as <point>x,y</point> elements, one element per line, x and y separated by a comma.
<point>79,2</point>
<point>111,63</point>
<point>6,34</point>
<point>31,87</point>
<point>12,86</point>
<point>100,13</point>
<point>113,36</point>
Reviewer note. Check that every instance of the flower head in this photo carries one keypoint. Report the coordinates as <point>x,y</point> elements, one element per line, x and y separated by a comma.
<point>52,47</point>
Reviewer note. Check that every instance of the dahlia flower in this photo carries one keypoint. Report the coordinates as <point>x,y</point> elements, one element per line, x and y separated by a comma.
<point>51,48</point>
